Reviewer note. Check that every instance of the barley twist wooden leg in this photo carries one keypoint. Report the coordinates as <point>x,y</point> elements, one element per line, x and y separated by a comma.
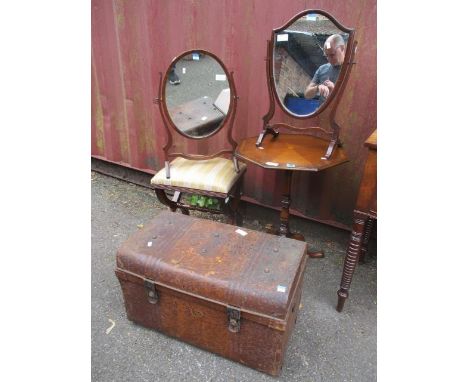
<point>365,241</point>
<point>352,257</point>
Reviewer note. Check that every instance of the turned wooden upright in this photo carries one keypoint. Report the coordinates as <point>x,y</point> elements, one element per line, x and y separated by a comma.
<point>365,213</point>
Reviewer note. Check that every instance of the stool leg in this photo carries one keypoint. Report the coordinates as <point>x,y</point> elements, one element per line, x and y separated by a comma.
<point>352,257</point>
<point>237,218</point>
<point>162,197</point>
<point>176,200</point>
<point>172,204</point>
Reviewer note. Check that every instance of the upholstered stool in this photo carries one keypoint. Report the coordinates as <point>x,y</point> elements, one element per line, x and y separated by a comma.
<point>216,177</point>
<point>217,174</point>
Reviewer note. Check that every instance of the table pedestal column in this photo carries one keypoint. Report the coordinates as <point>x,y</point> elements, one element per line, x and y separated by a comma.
<point>284,216</point>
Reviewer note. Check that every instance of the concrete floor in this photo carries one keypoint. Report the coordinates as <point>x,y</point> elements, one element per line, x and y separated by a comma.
<point>325,345</point>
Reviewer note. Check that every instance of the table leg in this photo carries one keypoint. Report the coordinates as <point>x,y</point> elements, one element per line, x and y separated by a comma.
<point>285,203</point>
<point>284,216</point>
<point>365,241</point>
<point>352,257</point>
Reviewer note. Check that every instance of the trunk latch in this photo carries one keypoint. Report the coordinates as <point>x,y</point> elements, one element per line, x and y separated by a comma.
<point>233,319</point>
<point>151,290</point>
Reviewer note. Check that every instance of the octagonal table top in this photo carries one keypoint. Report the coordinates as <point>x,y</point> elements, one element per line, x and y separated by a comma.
<point>290,152</point>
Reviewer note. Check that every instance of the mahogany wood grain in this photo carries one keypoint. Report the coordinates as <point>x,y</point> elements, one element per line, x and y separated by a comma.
<point>303,151</point>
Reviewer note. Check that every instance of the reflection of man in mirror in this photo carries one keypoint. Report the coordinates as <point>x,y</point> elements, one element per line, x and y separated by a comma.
<point>325,77</point>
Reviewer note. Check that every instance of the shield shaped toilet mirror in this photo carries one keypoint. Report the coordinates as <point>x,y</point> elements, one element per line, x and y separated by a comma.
<point>308,57</point>
<point>309,60</point>
<point>197,94</point>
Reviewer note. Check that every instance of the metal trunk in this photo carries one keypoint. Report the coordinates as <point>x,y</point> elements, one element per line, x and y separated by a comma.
<point>200,281</point>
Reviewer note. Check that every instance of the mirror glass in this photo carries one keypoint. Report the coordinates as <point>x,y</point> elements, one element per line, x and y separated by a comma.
<point>197,94</point>
<point>307,60</point>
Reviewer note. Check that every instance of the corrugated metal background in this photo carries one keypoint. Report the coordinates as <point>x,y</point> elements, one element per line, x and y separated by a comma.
<point>132,41</point>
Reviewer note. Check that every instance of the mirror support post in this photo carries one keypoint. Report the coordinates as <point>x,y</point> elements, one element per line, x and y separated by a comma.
<point>336,128</point>
<point>160,102</point>
<point>236,165</point>
<point>330,149</point>
<point>268,130</point>
<point>233,101</point>
<point>168,171</point>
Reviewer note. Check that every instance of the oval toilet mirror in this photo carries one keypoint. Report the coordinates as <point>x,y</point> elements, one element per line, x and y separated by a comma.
<point>197,94</point>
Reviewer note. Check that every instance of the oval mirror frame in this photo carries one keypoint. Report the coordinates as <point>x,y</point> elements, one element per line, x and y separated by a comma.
<point>164,96</point>
<point>343,71</point>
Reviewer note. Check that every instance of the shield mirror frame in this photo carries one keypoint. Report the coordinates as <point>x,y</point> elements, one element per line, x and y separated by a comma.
<point>329,128</point>
<point>343,71</point>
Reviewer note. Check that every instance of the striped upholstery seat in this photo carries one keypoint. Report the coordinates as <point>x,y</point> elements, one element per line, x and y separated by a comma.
<point>217,174</point>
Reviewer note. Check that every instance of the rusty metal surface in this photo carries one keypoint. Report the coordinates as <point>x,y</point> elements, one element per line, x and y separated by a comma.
<point>204,283</point>
<point>256,272</point>
<point>133,41</point>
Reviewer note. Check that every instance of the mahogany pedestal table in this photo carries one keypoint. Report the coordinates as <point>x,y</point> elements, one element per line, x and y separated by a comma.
<point>365,213</point>
<point>289,153</point>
